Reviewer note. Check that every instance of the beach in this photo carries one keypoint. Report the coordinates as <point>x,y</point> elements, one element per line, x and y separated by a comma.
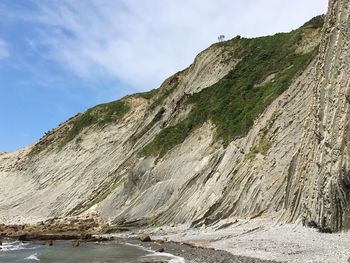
<point>231,240</point>
<point>261,239</point>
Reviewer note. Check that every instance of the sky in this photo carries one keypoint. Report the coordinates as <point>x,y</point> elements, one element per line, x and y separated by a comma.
<point>60,57</point>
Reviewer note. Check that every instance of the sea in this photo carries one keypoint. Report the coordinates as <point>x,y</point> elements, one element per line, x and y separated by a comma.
<point>65,252</point>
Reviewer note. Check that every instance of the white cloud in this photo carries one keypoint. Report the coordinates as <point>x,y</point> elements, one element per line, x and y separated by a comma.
<point>143,42</point>
<point>4,52</point>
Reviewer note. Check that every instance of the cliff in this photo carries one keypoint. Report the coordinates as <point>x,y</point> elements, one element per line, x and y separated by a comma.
<point>320,178</point>
<point>254,127</point>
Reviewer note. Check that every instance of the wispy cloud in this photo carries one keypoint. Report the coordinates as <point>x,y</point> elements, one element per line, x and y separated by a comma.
<point>4,52</point>
<point>142,42</point>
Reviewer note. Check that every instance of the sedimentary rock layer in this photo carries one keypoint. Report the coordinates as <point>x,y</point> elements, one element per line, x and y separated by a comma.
<point>291,165</point>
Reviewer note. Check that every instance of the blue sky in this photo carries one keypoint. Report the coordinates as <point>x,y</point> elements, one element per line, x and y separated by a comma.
<point>60,57</point>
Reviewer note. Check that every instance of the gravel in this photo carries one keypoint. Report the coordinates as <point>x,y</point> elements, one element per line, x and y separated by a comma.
<point>193,254</point>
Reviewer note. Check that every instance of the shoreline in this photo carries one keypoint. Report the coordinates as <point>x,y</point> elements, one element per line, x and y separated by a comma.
<point>191,253</point>
<point>160,250</point>
<point>256,240</point>
<point>54,230</point>
<point>260,239</point>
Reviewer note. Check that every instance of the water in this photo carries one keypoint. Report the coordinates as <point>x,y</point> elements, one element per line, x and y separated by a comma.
<point>65,252</point>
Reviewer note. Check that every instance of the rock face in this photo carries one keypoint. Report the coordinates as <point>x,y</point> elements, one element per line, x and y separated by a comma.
<point>291,165</point>
<point>320,184</point>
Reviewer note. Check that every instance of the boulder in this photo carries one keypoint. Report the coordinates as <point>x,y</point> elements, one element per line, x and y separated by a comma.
<point>76,243</point>
<point>160,250</point>
<point>49,243</point>
<point>145,238</point>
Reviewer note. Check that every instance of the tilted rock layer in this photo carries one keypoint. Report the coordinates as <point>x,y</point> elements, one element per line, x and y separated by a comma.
<point>320,181</point>
<point>292,164</point>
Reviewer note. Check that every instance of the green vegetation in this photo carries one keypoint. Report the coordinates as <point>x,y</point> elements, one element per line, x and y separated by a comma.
<point>110,189</point>
<point>316,22</point>
<point>263,147</point>
<point>100,115</point>
<point>168,87</point>
<point>156,118</point>
<point>234,102</point>
<point>147,95</point>
<point>168,138</point>
<point>157,96</point>
<point>40,146</point>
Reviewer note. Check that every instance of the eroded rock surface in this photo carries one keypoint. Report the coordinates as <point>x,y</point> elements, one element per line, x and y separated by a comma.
<point>320,178</point>
<point>292,165</point>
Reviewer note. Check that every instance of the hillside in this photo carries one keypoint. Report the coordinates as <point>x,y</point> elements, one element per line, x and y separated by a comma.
<point>224,138</point>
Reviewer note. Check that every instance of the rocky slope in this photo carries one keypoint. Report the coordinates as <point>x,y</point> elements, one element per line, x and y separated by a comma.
<point>320,179</point>
<point>250,129</point>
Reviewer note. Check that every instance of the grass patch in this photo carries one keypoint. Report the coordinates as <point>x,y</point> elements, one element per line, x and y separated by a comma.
<point>148,94</point>
<point>316,22</point>
<point>234,102</point>
<point>99,115</point>
<point>157,96</point>
<point>168,138</point>
<point>263,147</point>
<point>167,88</point>
<point>110,189</point>
<point>156,118</point>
